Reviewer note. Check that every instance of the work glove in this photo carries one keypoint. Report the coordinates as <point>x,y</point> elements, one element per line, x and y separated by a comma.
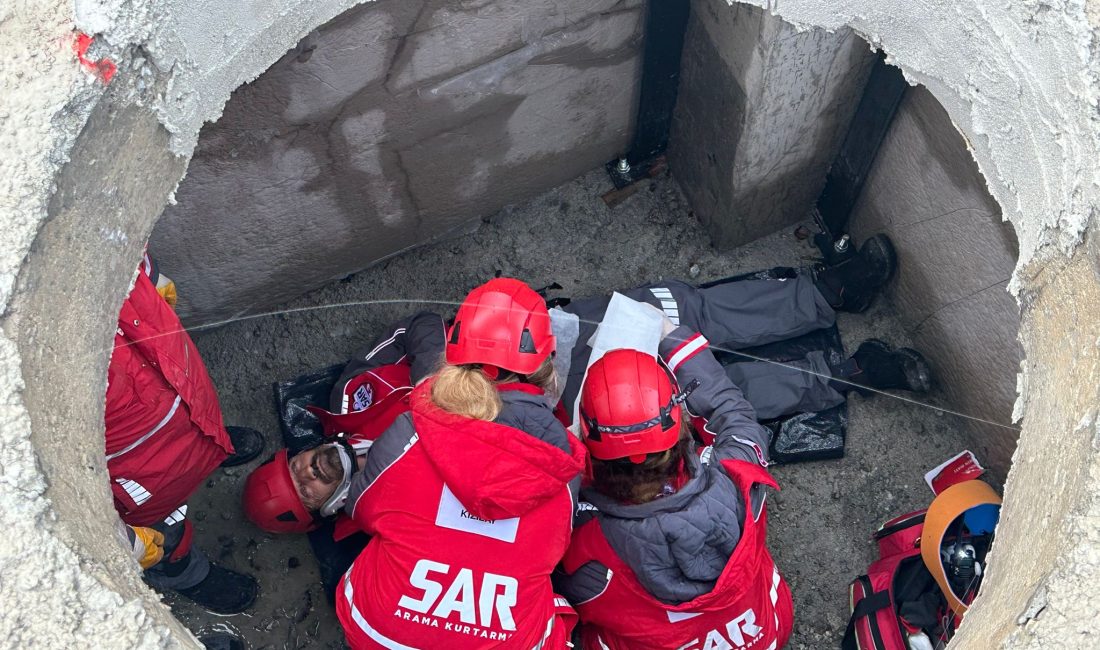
<point>167,290</point>
<point>147,545</point>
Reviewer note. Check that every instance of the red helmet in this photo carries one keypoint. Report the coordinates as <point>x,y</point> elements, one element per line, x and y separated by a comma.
<point>502,323</point>
<point>271,500</point>
<point>629,407</point>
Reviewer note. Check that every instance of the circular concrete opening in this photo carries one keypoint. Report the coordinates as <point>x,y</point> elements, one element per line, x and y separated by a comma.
<point>121,170</point>
<point>298,183</point>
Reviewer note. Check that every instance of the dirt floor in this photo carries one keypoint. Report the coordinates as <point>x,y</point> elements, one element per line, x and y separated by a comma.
<point>821,521</point>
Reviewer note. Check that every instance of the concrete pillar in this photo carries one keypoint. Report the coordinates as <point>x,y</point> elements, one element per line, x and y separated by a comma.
<point>761,113</point>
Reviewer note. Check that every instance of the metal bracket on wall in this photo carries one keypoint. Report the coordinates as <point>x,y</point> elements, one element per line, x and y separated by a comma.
<point>666,23</point>
<point>882,95</point>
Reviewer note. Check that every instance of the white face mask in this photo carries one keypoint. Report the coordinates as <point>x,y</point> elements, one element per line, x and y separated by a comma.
<point>340,495</point>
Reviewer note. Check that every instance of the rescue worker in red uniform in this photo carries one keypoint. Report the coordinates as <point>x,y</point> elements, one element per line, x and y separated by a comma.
<point>164,436</point>
<point>295,493</point>
<point>469,497</point>
<point>299,493</point>
<point>741,314</point>
<point>669,550</point>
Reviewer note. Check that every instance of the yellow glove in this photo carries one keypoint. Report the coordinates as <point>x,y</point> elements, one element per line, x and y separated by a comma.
<point>148,546</point>
<point>167,290</point>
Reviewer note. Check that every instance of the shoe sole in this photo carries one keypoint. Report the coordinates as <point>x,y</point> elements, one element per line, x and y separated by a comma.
<point>881,248</point>
<point>237,460</point>
<point>917,371</point>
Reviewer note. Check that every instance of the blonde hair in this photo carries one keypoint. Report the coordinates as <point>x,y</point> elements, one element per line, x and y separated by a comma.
<point>466,390</point>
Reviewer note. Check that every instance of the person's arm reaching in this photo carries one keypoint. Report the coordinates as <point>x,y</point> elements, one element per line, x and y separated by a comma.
<point>384,453</point>
<point>729,417</point>
<point>419,340</point>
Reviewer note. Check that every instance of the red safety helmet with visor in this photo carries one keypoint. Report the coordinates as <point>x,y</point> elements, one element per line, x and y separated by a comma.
<point>630,407</point>
<point>271,500</point>
<point>502,324</point>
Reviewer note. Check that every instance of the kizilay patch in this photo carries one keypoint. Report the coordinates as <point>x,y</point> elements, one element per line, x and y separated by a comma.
<point>452,514</point>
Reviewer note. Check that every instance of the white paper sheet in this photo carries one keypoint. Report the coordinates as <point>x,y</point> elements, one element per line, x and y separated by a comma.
<point>626,324</point>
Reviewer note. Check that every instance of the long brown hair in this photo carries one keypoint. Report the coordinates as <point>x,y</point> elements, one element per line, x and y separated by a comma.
<point>628,482</point>
<point>467,390</point>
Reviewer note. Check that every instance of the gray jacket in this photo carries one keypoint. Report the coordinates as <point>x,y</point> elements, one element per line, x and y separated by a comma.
<point>678,545</point>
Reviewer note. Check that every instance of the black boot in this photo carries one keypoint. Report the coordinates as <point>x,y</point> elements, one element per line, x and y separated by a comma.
<point>247,444</point>
<point>875,365</point>
<point>224,591</point>
<point>852,285</point>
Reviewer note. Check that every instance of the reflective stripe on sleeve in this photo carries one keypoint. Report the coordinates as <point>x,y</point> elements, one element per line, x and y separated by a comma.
<point>668,304</point>
<point>687,350</point>
<point>160,425</point>
<point>178,515</point>
<point>136,490</point>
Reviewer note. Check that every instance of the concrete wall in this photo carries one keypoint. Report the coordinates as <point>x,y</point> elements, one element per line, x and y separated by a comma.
<point>761,113</point>
<point>956,256</point>
<point>392,125</point>
<point>759,164</point>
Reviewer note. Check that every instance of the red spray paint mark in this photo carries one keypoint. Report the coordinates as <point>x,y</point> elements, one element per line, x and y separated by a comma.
<point>103,68</point>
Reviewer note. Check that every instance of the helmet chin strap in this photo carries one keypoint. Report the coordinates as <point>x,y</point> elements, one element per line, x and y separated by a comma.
<point>340,495</point>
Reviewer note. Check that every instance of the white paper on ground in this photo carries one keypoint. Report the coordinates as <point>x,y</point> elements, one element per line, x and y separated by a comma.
<point>972,462</point>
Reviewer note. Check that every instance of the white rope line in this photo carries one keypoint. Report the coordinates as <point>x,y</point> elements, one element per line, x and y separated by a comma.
<point>871,390</point>
<point>451,303</point>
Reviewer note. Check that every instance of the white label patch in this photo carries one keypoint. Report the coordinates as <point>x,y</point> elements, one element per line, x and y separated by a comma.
<point>452,514</point>
<point>676,617</point>
<point>363,397</point>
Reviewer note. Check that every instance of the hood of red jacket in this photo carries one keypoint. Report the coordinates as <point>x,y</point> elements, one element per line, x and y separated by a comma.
<point>495,471</point>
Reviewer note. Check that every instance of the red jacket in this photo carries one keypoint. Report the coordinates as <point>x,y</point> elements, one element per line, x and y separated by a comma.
<point>749,607</point>
<point>468,519</point>
<point>367,404</point>
<point>164,430</point>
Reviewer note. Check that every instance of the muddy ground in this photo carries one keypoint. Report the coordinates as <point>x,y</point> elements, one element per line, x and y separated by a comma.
<point>820,521</point>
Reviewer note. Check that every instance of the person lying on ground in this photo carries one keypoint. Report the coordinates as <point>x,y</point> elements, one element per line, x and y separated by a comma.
<point>305,492</point>
<point>669,547</point>
<point>741,314</point>
<point>738,314</point>
<point>164,435</point>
